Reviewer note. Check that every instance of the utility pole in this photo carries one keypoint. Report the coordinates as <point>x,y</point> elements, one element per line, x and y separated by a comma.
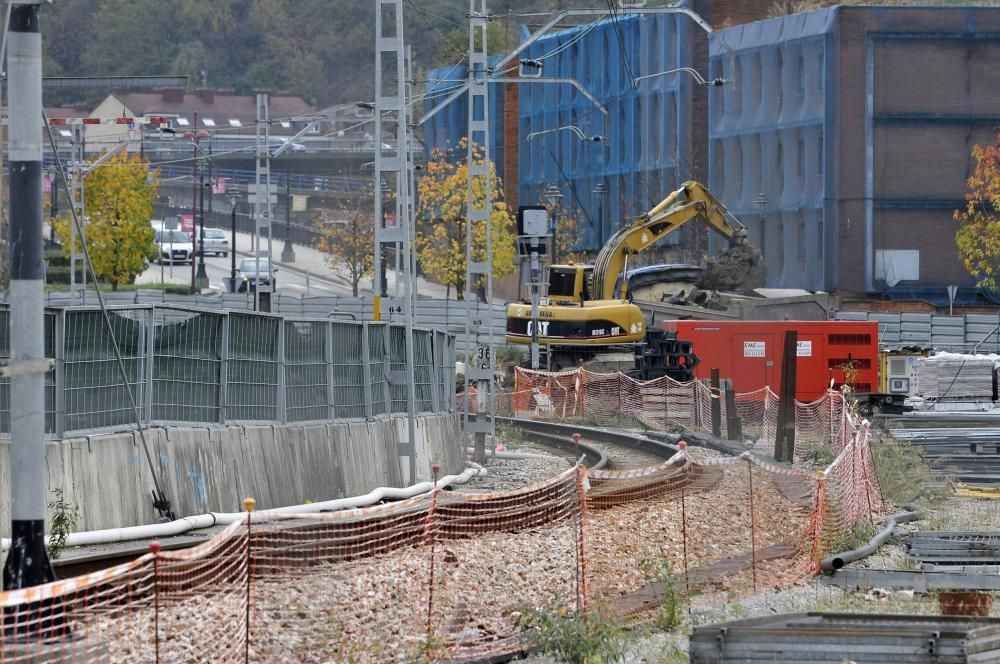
<point>287,251</point>
<point>194,206</point>
<point>27,562</point>
<point>480,362</point>
<point>395,168</point>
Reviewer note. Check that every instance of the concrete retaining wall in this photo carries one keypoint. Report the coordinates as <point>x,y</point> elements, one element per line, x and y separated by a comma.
<point>214,469</point>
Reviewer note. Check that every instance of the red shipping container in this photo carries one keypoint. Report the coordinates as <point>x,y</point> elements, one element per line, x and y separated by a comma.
<point>750,353</point>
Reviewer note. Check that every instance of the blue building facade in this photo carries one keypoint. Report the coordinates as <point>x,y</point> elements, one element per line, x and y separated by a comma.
<point>647,148</point>
<point>767,141</point>
<point>449,126</point>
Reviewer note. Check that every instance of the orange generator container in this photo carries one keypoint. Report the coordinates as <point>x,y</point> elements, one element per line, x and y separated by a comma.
<point>750,353</point>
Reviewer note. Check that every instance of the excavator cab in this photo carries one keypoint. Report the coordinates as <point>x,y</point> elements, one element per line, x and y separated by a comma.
<point>570,284</point>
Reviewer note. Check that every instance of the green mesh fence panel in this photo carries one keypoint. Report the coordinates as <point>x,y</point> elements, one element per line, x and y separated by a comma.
<point>397,362</point>
<point>306,371</point>
<point>252,368</point>
<point>94,393</point>
<point>423,370</point>
<point>348,359</point>
<point>187,360</point>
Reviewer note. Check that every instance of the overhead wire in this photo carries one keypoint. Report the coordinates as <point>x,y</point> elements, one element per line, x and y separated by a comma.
<point>621,42</point>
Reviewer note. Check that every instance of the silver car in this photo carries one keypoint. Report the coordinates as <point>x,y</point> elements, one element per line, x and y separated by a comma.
<point>215,242</point>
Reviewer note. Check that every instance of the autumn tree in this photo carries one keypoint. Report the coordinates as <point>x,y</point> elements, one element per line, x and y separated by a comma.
<point>441,211</point>
<point>567,231</point>
<point>118,204</point>
<point>978,236</point>
<point>349,241</point>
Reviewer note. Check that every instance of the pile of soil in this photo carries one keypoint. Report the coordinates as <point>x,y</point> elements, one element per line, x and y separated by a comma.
<point>739,269</point>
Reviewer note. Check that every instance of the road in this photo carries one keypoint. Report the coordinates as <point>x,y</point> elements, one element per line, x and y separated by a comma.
<point>288,280</point>
<point>291,278</point>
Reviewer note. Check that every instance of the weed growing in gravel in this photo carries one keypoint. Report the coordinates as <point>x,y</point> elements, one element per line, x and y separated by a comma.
<point>587,639</point>
<point>64,517</point>
<point>856,537</point>
<point>658,569</point>
<point>902,470</point>
<point>433,649</point>
<point>509,432</point>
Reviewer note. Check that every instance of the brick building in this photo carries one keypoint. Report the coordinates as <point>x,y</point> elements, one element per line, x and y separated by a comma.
<point>857,124</point>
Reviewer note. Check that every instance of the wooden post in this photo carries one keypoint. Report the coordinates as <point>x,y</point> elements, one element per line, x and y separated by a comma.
<point>784,439</point>
<point>716,405</point>
<point>732,416</point>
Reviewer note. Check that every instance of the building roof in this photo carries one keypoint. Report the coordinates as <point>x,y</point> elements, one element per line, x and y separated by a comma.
<point>773,31</point>
<point>61,112</point>
<point>219,107</point>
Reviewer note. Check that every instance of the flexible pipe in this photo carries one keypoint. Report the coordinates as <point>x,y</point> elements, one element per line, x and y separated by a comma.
<point>838,560</point>
<point>513,455</point>
<point>188,523</point>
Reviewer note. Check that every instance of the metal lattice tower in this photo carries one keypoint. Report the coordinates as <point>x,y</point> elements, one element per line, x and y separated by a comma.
<point>480,360</point>
<point>395,168</point>
<point>262,199</point>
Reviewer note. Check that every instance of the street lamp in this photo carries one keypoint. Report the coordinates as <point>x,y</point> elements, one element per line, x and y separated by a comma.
<point>600,189</point>
<point>287,251</point>
<point>233,193</point>
<point>201,279</point>
<point>553,195</point>
<point>762,201</point>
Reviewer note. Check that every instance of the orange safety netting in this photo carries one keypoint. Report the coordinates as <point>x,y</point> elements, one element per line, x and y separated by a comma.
<point>664,403</point>
<point>451,574</point>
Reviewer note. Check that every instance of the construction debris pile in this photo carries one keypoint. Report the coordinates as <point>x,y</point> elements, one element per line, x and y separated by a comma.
<point>740,268</point>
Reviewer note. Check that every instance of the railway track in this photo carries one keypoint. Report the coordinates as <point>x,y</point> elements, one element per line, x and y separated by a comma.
<point>598,449</point>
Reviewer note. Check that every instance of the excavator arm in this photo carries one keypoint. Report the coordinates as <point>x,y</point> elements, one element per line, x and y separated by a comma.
<point>691,201</point>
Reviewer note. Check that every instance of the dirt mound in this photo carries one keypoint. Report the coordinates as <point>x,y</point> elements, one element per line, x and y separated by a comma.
<point>741,268</point>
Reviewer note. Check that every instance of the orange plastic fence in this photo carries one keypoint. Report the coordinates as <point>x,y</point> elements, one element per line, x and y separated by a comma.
<point>450,574</point>
<point>664,403</point>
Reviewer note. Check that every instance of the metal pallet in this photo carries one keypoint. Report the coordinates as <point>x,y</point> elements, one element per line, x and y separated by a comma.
<point>836,637</point>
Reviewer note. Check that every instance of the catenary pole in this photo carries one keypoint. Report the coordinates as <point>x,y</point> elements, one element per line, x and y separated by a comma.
<point>27,563</point>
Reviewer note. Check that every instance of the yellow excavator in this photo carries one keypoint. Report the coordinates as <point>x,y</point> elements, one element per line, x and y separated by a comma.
<point>589,305</point>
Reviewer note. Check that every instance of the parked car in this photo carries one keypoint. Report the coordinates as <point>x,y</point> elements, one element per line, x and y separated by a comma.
<point>250,277</point>
<point>173,246</point>
<point>215,242</point>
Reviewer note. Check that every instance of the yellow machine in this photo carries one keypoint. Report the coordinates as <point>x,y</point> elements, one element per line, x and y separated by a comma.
<point>588,305</point>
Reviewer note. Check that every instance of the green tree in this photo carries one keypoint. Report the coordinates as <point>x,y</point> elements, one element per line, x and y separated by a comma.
<point>978,236</point>
<point>349,242</point>
<point>441,210</point>
<point>118,204</point>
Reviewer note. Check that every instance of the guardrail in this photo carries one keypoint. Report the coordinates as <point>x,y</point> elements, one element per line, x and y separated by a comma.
<point>189,365</point>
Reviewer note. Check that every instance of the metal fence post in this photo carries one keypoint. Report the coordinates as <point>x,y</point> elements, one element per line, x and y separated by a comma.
<point>387,367</point>
<point>223,394</point>
<point>434,369</point>
<point>367,374</point>
<point>328,355</point>
<point>282,382</point>
<point>60,353</point>
<point>150,357</point>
